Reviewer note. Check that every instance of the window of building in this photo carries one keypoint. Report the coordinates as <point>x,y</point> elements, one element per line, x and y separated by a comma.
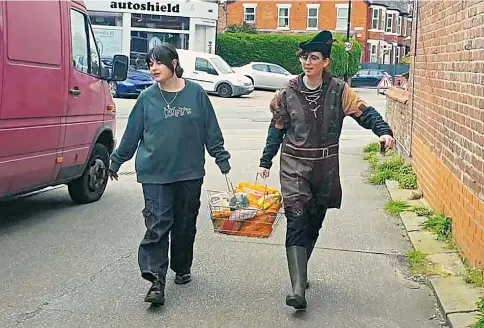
<point>397,55</point>
<point>375,22</point>
<point>409,27</point>
<point>105,18</point>
<point>389,27</point>
<point>249,13</point>
<point>160,22</point>
<point>341,17</point>
<point>373,53</point>
<point>85,56</point>
<point>142,41</point>
<point>399,26</point>
<point>404,27</point>
<point>283,16</point>
<point>313,17</point>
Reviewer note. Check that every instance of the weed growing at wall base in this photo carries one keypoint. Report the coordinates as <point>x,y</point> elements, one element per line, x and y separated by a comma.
<point>391,167</point>
<point>480,321</point>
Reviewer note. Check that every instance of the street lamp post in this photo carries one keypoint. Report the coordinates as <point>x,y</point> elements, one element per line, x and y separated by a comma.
<point>348,24</point>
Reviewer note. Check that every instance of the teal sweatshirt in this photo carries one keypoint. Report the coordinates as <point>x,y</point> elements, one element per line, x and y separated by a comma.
<point>171,140</point>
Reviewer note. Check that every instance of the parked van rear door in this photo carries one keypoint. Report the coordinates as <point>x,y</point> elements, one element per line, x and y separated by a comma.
<point>34,92</point>
<point>86,105</point>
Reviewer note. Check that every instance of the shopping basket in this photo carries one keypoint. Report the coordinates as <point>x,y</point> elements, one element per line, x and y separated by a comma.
<point>249,210</point>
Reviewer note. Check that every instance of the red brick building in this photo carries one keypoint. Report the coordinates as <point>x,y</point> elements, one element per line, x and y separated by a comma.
<point>382,27</point>
<point>441,127</point>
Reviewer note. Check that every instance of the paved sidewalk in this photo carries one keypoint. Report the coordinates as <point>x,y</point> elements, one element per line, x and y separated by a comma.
<point>84,272</point>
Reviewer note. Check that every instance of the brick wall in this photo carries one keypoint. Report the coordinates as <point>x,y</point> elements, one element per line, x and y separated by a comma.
<point>399,118</point>
<point>222,18</point>
<point>447,137</point>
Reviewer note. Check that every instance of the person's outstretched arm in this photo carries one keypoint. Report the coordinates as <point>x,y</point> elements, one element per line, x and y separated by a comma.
<point>277,130</point>
<point>214,141</point>
<point>366,116</point>
<point>131,137</point>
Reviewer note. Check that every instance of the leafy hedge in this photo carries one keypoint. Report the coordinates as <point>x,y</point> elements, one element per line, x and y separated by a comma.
<point>239,49</point>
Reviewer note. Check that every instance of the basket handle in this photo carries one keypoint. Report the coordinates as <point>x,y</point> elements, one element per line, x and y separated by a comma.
<point>265,186</point>
<point>230,186</point>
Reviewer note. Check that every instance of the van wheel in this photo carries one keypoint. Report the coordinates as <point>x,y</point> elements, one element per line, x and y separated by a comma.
<point>92,184</point>
<point>113,89</point>
<point>224,90</point>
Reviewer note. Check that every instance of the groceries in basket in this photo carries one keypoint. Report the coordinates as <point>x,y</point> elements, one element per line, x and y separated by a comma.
<point>249,210</point>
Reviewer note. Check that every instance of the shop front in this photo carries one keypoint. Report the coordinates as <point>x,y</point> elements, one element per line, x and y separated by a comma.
<point>132,28</point>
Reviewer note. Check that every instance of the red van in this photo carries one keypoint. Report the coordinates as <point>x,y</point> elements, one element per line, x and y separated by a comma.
<point>57,116</point>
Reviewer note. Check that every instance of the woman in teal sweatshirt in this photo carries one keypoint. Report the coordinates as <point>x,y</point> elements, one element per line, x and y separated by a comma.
<point>170,125</point>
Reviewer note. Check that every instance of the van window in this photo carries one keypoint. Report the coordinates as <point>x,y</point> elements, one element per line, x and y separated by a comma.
<point>43,28</point>
<point>203,65</point>
<point>222,65</point>
<point>85,55</point>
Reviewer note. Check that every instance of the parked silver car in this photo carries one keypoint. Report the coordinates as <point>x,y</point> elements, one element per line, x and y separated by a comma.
<point>265,75</point>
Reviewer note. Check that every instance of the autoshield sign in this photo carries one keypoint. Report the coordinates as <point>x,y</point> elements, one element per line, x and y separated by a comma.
<point>148,6</point>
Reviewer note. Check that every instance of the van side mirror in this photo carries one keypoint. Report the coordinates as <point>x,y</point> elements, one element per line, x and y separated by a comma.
<point>120,68</point>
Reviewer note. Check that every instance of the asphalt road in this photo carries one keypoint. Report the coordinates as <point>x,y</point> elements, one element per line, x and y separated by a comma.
<point>76,266</point>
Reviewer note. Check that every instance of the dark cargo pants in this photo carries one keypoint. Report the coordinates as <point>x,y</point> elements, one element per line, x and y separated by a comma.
<point>170,214</point>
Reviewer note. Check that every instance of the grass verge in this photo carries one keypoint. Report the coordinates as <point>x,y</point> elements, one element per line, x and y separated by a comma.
<point>393,167</point>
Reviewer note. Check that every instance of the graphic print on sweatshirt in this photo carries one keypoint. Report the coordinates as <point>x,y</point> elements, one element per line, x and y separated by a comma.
<point>176,111</point>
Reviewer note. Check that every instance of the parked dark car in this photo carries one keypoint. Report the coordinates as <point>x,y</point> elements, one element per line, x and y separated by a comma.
<point>135,82</point>
<point>368,78</point>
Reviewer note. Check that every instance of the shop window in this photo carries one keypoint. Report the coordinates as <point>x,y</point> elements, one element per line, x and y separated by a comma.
<point>106,18</point>
<point>142,41</point>
<point>313,17</point>
<point>160,22</point>
<point>84,51</point>
<point>341,17</point>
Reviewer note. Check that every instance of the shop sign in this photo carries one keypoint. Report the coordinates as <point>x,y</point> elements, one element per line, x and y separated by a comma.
<point>148,6</point>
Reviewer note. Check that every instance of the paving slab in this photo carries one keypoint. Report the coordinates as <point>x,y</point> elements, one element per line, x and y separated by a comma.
<point>412,221</point>
<point>427,243</point>
<point>463,320</point>
<point>455,295</point>
<point>448,262</point>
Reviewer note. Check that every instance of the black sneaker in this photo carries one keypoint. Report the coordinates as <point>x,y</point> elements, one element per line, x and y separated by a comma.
<point>156,294</point>
<point>182,278</point>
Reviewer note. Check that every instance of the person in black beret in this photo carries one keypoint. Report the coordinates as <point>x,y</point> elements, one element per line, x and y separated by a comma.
<point>307,119</point>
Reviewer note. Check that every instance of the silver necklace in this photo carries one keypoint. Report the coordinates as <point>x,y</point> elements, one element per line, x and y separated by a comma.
<point>168,104</point>
<point>312,97</point>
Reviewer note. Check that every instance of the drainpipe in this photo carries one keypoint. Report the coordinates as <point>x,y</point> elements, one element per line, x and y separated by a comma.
<point>415,32</point>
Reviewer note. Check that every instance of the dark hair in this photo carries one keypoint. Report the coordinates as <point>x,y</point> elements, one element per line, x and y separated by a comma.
<point>165,54</point>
